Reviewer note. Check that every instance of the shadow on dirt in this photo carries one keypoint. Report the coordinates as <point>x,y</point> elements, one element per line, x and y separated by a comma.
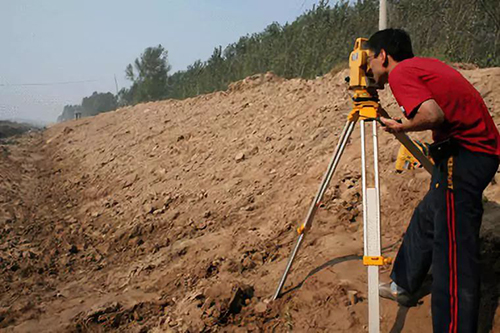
<point>490,266</point>
<point>329,263</point>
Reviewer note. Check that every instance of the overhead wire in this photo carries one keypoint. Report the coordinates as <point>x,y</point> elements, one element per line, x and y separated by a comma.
<point>44,84</point>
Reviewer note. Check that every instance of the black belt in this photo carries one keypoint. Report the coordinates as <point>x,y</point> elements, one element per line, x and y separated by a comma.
<point>442,150</point>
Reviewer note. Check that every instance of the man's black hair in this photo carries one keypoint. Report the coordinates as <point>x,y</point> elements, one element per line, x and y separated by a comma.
<point>395,42</point>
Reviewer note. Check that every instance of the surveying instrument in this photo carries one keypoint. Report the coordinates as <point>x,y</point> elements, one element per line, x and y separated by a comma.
<point>366,109</point>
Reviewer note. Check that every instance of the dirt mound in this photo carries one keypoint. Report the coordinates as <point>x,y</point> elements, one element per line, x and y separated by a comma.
<point>180,215</point>
<point>253,81</point>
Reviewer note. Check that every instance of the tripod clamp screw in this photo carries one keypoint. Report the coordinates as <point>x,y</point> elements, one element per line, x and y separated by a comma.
<point>376,260</point>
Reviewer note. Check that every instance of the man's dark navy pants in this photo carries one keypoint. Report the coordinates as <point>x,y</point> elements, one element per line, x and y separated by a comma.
<point>444,232</point>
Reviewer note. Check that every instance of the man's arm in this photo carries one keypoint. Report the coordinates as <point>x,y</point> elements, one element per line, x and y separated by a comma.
<point>429,116</point>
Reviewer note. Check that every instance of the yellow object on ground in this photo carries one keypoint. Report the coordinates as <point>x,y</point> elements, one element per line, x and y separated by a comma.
<point>406,161</point>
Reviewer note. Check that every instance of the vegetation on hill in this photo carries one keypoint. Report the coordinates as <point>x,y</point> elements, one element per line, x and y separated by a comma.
<point>90,106</point>
<point>320,39</point>
<point>10,128</point>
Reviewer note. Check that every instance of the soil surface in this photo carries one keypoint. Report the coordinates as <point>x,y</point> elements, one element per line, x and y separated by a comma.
<point>179,216</point>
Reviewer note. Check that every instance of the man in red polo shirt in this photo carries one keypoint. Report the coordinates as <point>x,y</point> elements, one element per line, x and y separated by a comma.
<point>444,229</point>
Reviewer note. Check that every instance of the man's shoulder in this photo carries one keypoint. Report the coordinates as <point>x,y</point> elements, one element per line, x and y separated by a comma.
<point>419,63</point>
<point>419,67</point>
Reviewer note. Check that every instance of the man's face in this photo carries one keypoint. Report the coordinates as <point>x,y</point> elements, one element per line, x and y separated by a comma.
<point>377,69</point>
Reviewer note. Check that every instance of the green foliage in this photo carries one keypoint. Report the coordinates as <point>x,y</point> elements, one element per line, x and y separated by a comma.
<point>126,95</point>
<point>69,112</point>
<point>323,37</point>
<point>10,128</point>
<point>452,30</point>
<point>149,75</point>
<point>97,103</point>
<point>317,41</point>
<point>91,106</point>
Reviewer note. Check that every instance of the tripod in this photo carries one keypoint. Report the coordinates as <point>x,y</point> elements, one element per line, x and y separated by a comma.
<point>365,109</point>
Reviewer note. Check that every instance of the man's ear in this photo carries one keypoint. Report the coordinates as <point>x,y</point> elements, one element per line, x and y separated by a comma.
<point>385,58</point>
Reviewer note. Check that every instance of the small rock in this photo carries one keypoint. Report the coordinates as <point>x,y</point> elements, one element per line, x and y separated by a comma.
<point>353,296</point>
<point>159,211</point>
<point>171,322</point>
<point>260,307</point>
<point>26,254</point>
<point>130,180</point>
<point>239,157</point>
<point>248,263</point>
<point>201,225</point>
<point>257,257</point>
<point>148,208</point>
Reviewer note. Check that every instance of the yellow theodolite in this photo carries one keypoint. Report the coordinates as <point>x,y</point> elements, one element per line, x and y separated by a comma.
<point>365,98</point>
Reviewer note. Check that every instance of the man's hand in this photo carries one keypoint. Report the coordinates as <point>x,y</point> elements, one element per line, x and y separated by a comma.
<point>429,116</point>
<point>392,125</point>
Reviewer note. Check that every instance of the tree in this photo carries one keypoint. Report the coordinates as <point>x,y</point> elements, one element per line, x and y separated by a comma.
<point>149,76</point>
<point>98,102</point>
<point>69,112</point>
<point>91,106</point>
<point>321,39</point>
<point>126,96</point>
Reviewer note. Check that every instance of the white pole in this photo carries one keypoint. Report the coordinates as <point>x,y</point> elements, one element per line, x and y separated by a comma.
<point>382,17</point>
<point>116,85</point>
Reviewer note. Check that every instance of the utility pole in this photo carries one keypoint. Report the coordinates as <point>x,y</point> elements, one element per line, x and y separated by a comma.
<point>116,85</point>
<point>382,17</point>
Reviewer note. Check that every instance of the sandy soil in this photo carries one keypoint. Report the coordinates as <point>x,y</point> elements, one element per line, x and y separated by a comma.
<point>179,216</point>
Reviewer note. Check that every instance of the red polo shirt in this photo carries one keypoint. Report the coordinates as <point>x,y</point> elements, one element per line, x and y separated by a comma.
<point>415,80</point>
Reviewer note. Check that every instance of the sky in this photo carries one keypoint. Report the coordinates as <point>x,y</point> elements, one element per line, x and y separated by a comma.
<point>56,52</point>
